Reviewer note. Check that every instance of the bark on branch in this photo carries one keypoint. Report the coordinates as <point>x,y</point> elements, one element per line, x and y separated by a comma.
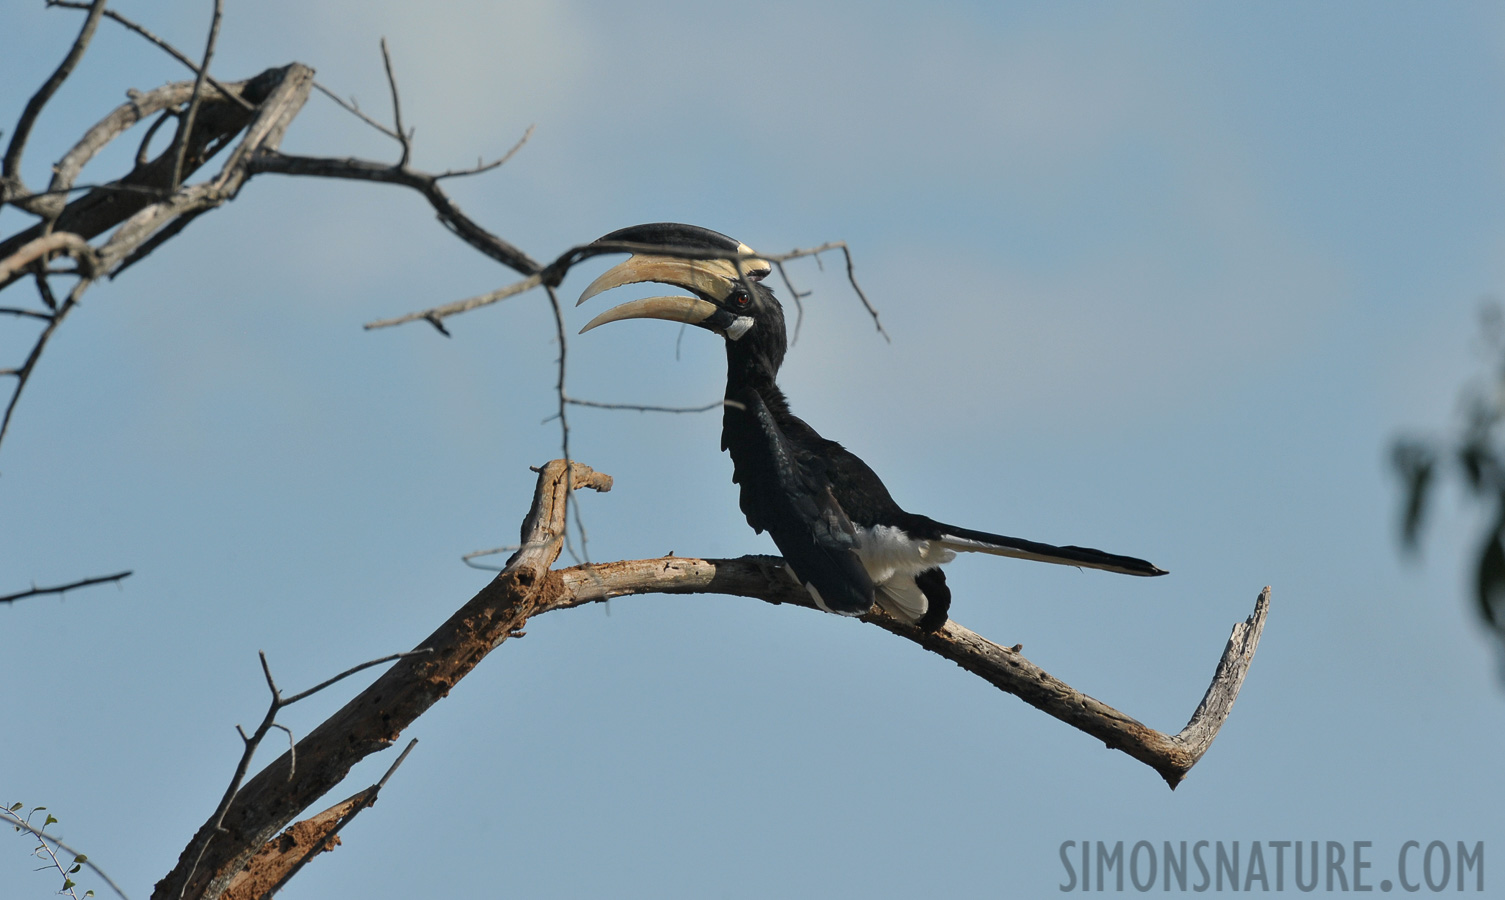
<point>528,587</point>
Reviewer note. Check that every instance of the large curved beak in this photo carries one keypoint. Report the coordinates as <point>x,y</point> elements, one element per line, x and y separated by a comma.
<point>690,310</point>
<point>717,278</point>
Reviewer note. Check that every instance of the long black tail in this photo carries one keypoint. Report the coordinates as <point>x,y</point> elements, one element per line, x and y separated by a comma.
<point>966,539</point>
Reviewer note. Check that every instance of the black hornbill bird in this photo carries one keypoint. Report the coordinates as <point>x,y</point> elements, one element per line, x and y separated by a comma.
<point>841,533</point>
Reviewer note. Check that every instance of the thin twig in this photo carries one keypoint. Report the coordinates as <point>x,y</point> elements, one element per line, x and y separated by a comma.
<point>12,164</point>
<point>719,404</point>
<point>23,374</point>
<point>44,247</point>
<point>351,671</point>
<point>487,167</point>
<point>564,434</point>
<point>25,313</point>
<point>438,313</point>
<point>169,49</point>
<point>449,213</point>
<point>50,852</point>
<point>11,819</point>
<point>253,741</point>
<point>476,554</point>
<point>403,137</point>
<point>367,798</point>
<point>142,149</point>
<point>797,296</point>
<point>65,588</point>
<point>44,290</point>
<point>354,109</point>
<point>851,275</point>
<point>555,271</point>
<point>85,188</point>
<point>186,126</point>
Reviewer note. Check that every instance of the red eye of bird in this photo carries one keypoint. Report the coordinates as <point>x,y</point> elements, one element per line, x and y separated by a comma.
<point>740,299</point>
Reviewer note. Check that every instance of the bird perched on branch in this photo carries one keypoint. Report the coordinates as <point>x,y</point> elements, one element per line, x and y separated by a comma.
<point>843,536</point>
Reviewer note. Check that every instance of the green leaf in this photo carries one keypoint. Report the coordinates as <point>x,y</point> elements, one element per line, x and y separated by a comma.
<point>74,870</point>
<point>16,807</point>
<point>50,819</point>
<point>67,883</point>
<point>80,858</point>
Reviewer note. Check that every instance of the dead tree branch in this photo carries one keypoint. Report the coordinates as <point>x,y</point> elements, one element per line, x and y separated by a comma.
<point>24,373</point>
<point>268,722</point>
<point>278,94</point>
<point>528,586</point>
<point>164,46</point>
<point>143,219</point>
<point>846,252</point>
<point>403,137</point>
<point>375,718</point>
<point>198,95</point>
<point>44,248</point>
<point>554,272</point>
<point>64,588</point>
<point>11,185</point>
<point>428,185</point>
<point>762,578</point>
<point>275,864</point>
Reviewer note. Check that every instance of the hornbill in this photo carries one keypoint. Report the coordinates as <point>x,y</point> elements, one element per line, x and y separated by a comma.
<point>842,535</point>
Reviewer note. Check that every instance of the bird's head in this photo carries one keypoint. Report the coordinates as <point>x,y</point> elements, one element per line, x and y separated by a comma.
<point>722,274</point>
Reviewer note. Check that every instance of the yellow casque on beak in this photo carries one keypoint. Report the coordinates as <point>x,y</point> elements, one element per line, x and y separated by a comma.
<point>716,278</point>
<point>690,310</point>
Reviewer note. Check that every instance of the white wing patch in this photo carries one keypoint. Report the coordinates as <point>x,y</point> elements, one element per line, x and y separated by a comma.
<point>887,551</point>
<point>892,559</point>
<point>901,598</point>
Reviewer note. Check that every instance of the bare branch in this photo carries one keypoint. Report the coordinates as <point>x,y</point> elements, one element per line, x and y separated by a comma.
<point>169,49</point>
<point>42,248</point>
<point>469,558</point>
<point>252,742</point>
<point>564,432</point>
<point>354,109</point>
<point>264,132</point>
<point>488,166</point>
<point>23,374</point>
<point>1172,756</point>
<point>527,587</point>
<point>25,313</point>
<point>106,207</point>
<point>846,251</point>
<point>11,184</point>
<point>555,271</point>
<point>719,404</point>
<point>403,137</point>
<point>797,296</point>
<point>351,671</point>
<point>65,588</point>
<point>367,724</point>
<point>275,864</point>
<point>363,170</point>
<point>185,128</point>
<point>438,313</point>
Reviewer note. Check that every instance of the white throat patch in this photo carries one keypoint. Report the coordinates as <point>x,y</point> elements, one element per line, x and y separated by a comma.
<point>741,326</point>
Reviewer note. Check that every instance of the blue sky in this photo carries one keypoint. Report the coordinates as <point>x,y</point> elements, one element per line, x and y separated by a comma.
<point>1164,279</point>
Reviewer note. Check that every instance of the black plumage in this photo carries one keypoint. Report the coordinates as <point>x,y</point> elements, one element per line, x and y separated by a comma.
<point>831,516</point>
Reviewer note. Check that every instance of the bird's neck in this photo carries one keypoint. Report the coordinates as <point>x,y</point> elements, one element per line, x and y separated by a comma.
<point>748,369</point>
